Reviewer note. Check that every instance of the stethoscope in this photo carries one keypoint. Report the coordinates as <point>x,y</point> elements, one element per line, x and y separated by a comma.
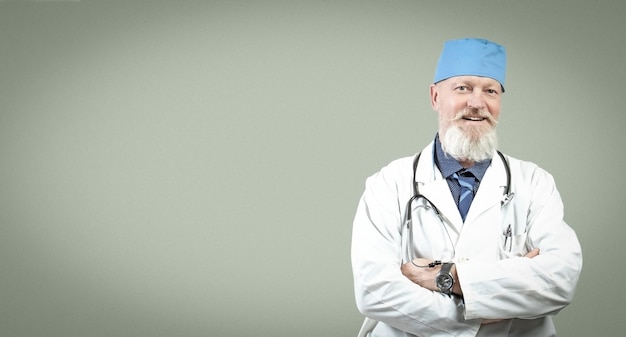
<point>507,196</point>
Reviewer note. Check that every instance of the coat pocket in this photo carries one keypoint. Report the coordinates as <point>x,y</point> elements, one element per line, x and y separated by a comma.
<point>512,244</point>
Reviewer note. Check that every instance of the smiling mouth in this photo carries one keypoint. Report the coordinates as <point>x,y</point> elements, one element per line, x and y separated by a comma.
<point>474,119</point>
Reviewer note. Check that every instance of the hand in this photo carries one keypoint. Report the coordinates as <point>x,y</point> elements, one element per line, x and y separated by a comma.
<point>424,277</point>
<point>532,253</point>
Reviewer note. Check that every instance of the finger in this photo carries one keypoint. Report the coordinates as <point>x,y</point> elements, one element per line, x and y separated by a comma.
<point>532,253</point>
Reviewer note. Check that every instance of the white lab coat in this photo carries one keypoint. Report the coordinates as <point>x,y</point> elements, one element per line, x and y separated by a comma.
<point>497,281</point>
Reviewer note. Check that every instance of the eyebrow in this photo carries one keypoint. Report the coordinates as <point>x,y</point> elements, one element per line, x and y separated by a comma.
<point>473,83</point>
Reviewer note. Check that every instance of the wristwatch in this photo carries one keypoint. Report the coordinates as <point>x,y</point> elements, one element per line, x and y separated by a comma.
<point>444,279</point>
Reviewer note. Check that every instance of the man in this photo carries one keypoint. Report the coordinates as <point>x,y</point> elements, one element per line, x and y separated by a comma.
<point>460,240</point>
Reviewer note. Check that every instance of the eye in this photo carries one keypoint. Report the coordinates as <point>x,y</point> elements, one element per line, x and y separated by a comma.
<point>492,91</point>
<point>463,88</point>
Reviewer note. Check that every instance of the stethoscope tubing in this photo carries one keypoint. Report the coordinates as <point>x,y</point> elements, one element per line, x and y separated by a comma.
<point>506,197</point>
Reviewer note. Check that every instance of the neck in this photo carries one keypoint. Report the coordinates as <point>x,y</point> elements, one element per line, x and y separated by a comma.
<point>466,163</point>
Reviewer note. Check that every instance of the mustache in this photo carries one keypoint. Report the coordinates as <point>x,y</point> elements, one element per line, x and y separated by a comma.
<point>474,113</point>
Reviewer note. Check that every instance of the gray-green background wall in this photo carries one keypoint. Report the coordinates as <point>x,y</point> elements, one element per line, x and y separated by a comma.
<point>191,168</point>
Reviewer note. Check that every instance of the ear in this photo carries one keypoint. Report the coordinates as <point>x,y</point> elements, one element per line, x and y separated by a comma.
<point>434,97</point>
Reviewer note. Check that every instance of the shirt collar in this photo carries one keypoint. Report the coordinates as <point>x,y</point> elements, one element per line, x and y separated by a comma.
<point>448,165</point>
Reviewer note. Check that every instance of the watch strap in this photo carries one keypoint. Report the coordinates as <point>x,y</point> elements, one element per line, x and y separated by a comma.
<point>445,268</point>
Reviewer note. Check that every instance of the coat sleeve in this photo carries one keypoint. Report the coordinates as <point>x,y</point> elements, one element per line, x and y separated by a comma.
<point>520,287</point>
<point>381,291</point>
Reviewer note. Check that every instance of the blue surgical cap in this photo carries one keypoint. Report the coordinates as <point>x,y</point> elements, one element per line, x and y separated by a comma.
<point>471,57</point>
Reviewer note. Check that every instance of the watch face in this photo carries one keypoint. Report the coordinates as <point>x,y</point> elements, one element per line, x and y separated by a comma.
<point>445,281</point>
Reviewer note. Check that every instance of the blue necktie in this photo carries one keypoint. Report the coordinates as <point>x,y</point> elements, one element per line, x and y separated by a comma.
<point>467,192</point>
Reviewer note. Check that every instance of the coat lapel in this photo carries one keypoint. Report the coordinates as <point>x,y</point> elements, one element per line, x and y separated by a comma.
<point>489,193</point>
<point>434,187</point>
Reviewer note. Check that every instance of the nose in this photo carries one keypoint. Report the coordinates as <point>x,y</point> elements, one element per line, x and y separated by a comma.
<point>476,100</point>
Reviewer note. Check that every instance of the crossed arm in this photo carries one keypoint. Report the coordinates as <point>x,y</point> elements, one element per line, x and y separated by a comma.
<point>425,277</point>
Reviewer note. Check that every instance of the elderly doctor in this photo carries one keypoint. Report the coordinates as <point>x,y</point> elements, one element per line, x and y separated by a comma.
<point>461,240</point>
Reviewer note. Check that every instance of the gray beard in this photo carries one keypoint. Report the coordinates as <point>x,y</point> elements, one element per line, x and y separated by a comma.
<point>469,145</point>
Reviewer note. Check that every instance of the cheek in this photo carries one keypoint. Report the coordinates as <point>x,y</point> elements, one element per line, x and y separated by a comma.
<point>445,116</point>
<point>451,109</point>
<point>494,109</point>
